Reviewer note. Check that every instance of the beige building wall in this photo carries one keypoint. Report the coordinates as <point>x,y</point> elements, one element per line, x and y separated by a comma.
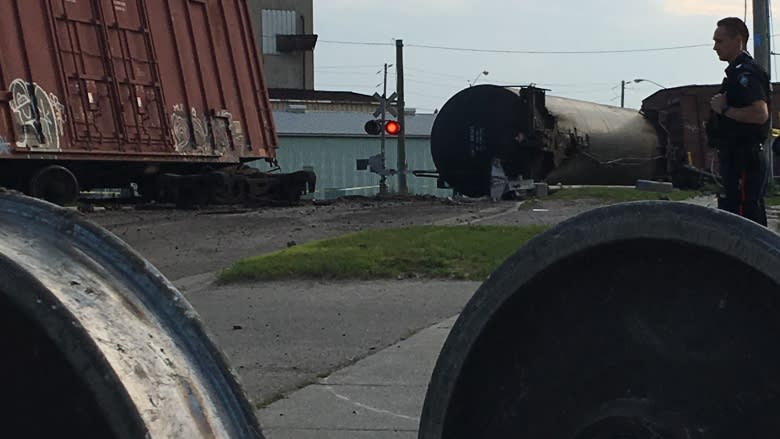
<point>354,107</point>
<point>284,69</point>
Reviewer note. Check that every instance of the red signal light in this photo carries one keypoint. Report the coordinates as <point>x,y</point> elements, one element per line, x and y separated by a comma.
<point>392,127</point>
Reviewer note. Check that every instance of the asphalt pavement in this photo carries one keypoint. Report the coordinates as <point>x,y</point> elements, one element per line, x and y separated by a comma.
<point>283,336</point>
<point>378,397</point>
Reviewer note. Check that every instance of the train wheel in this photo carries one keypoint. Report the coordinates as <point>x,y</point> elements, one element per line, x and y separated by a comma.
<point>55,184</point>
<point>641,320</point>
<point>227,188</point>
<point>147,190</point>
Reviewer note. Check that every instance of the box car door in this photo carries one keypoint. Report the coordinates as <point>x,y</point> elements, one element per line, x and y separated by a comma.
<point>113,86</point>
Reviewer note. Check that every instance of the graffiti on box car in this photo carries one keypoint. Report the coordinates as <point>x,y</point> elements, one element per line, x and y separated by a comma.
<point>39,116</point>
<point>193,133</point>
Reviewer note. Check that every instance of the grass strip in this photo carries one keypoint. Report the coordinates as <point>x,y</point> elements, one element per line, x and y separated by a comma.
<point>433,252</point>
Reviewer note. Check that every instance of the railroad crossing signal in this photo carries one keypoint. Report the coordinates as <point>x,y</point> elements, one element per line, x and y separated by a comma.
<point>374,127</point>
<point>392,127</point>
<point>383,105</point>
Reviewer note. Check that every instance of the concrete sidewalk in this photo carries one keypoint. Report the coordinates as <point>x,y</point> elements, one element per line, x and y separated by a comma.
<point>378,397</point>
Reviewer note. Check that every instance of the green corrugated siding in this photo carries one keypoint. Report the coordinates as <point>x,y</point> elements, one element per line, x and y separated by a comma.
<point>334,162</point>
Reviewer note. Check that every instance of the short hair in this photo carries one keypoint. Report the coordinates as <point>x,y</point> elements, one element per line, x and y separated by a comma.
<point>735,26</point>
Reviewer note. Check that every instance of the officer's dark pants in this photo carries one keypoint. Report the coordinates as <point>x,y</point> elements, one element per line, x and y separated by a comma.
<point>744,172</point>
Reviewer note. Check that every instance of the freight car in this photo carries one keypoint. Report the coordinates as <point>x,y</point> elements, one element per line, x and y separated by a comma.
<point>560,140</point>
<point>167,94</point>
<point>680,116</point>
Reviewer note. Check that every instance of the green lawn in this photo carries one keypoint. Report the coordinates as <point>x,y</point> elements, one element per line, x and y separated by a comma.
<point>449,252</point>
<point>772,199</point>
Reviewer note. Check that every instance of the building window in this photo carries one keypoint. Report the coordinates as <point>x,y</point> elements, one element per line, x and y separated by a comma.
<point>277,22</point>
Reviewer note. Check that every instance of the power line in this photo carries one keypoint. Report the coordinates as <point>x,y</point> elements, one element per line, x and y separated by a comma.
<point>431,73</point>
<point>433,84</point>
<point>343,73</point>
<point>443,98</point>
<point>346,66</point>
<point>355,43</point>
<point>574,84</point>
<point>523,52</point>
<point>557,52</point>
<point>353,85</point>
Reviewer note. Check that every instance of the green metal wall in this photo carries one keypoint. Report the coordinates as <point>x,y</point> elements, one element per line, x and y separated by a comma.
<point>334,162</point>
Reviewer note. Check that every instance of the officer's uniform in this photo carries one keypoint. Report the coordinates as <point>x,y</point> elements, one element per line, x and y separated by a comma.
<point>743,165</point>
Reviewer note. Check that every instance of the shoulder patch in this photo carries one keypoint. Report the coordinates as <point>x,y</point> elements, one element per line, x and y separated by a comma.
<point>743,80</point>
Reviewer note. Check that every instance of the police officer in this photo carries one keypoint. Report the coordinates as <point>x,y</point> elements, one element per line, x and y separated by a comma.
<point>740,124</point>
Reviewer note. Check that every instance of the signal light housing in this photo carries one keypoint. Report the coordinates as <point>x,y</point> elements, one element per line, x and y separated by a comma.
<point>374,127</point>
<point>392,127</point>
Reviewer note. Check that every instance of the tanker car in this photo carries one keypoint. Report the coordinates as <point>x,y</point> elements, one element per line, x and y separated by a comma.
<point>560,140</point>
<point>169,95</point>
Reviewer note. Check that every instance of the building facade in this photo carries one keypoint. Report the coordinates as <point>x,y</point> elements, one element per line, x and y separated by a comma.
<point>324,130</point>
<point>331,143</point>
<point>284,31</point>
<point>292,100</point>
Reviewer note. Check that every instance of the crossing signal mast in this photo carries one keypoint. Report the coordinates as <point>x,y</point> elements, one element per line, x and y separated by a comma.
<point>376,164</point>
<point>384,127</point>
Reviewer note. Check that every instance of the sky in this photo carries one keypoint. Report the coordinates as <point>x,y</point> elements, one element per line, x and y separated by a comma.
<point>357,37</point>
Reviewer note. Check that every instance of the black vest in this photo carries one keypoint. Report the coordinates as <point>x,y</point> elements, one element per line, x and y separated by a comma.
<point>724,131</point>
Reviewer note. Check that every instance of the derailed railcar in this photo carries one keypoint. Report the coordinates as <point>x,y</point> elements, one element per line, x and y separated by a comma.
<point>539,137</point>
<point>101,93</point>
<point>680,115</point>
<point>560,140</point>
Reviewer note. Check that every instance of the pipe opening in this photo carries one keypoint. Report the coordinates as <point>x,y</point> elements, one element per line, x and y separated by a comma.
<point>42,395</point>
<point>631,334</point>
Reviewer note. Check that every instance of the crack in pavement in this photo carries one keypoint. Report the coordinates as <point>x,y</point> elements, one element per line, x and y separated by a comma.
<point>330,389</point>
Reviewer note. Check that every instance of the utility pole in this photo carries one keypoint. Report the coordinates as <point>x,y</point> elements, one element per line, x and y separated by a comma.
<point>761,37</point>
<point>403,189</point>
<point>761,51</point>
<point>383,179</point>
<point>622,94</point>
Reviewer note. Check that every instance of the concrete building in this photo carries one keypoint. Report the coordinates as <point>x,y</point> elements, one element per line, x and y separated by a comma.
<point>284,30</point>
<point>285,99</point>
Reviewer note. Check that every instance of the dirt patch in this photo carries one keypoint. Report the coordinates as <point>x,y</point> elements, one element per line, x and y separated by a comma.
<point>186,243</point>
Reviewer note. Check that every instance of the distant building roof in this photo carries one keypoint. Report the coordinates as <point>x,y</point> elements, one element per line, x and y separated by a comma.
<point>342,124</point>
<point>293,94</point>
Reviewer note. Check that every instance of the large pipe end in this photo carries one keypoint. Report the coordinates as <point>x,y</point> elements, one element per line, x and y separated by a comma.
<point>97,343</point>
<point>625,320</point>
